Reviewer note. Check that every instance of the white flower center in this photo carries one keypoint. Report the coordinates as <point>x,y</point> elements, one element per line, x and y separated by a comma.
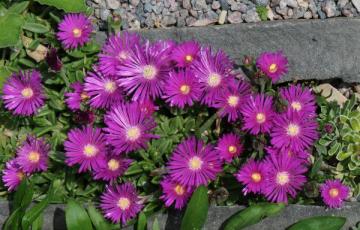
<point>27,92</point>
<point>133,133</point>
<point>214,80</point>
<point>256,177</point>
<point>273,68</point>
<point>113,165</point>
<point>232,149</point>
<point>179,190</point>
<point>296,105</point>
<point>185,89</point>
<point>34,157</point>
<point>233,100</point>
<point>282,178</point>
<point>334,192</point>
<point>123,203</point>
<point>260,118</point>
<point>77,32</point>
<point>195,163</point>
<point>149,72</point>
<point>189,58</point>
<point>293,130</point>
<point>110,86</point>
<point>90,150</point>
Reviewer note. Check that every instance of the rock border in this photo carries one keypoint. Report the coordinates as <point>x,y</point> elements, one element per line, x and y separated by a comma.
<point>54,216</point>
<point>316,49</point>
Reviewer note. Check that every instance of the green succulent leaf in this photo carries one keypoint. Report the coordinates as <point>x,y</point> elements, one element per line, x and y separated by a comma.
<point>76,217</point>
<point>66,5</point>
<point>35,27</point>
<point>10,25</point>
<point>97,219</point>
<point>319,222</point>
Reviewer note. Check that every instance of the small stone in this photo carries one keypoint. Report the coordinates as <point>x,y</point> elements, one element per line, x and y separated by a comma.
<point>169,20</point>
<point>261,2</point>
<point>202,22</point>
<point>212,15</point>
<point>308,15</point>
<point>290,13</point>
<point>270,13</point>
<point>215,5</point>
<point>357,96</point>
<point>199,4</point>
<point>283,4</point>
<point>224,5</point>
<point>134,25</point>
<point>183,13</point>
<point>303,3</point>
<point>113,4</point>
<point>347,13</point>
<point>186,4</point>
<point>329,8</point>
<point>135,3</point>
<point>104,14</point>
<point>274,3</point>
<point>243,8</point>
<point>357,88</point>
<point>298,12</point>
<point>194,13</point>
<point>173,6</point>
<point>342,3</point>
<point>356,3</point>
<point>292,3</point>
<point>330,93</point>
<point>281,11</point>
<point>190,20</point>
<point>222,17</point>
<point>235,17</point>
<point>235,6</point>
<point>148,7</point>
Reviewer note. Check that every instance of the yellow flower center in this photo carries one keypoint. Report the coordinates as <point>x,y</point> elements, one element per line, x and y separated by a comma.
<point>195,163</point>
<point>233,100</point>
<point>77,32</point>
<point>84,96</point>
<point>232,149</point>
<point>113,165</point>
<point>273,68</point>
<point>123,203</point>
<point>260,118</point>
<point>27,92</point>
<point>256,177</point>
<point>34,157</point>
<point>334,192</point>
<point>90,150</point>
<point>214,80</point>
<point>185,89</point>
<point>123,55</point>
<point>188,58</point>
<point>282,178</point>
<point>179,190</point>
<point>110,86</point>
<point>296,105</point>
<point>149,72</point>
<point>20,175</point>
<point>133,133</point>
<point>293,130</point>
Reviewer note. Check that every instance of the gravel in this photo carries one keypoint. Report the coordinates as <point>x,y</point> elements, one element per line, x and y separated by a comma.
<point>137,14</point>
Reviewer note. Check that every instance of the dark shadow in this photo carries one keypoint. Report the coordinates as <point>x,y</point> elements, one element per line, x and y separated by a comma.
<point>174,218</point>
<point>59,219</point>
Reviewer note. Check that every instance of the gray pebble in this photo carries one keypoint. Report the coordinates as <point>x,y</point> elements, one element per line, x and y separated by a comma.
<point>329,8</point>
<point>235,17</point>
<point>215,5</point>
<point>104,14</point>
<point>113,4</point>
<point>251,16</point>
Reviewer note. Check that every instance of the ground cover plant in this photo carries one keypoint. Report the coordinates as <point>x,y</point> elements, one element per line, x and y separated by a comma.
<point>132,127</point>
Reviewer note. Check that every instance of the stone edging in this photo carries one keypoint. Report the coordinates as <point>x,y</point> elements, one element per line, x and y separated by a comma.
<point>316,49</point>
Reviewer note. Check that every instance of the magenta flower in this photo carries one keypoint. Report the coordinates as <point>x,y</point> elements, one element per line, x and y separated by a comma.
<point>252,175</point>
<point>273,65</point>
<point>230,100</point>
<point>182,89</point>
<point>74,30</point>
<point>185,53</point>
<point>229,146</point>
<point>53,60</point>
<point>333,193</point>
<point>144,73</point>
<point>23,93</point>
<point>120,203</point>
<point>292,131</point>
<point>112,167</point>
<point>32,156</point>
<point>284,176</point>
<point>193,163</point>
<point>103,90</point>
<point>299,100</point>
<point>116,51</point>
<point>86,147</point>
<point>300,155</point>
<point>74,99</point>
<point>12,175</point>
<point>128,128</point>
<point>213,72</point>
<point>258,114</point>
<point>174,193</point>
<point>148,107</point>
<point>84,117</point>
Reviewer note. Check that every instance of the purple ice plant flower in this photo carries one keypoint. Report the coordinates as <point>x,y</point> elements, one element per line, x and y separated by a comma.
<point>75,98</point>
<point>284,176</point>
<point>299,100</point>
<point>85,146</point>
<point>273,64</point>
<point>53,60</point>
<point>301,155</point>
<point>116,51</point>
<point>333,193</point>
<point>120,202</point>
<point>112,167</point>
<point>148,107</point>
<point>229,146</point>
<point>294,132</point>
<point>128,128</point>
<point>23,93</point>
<point>230,100</point>
<point>258,114</point>
<point>181,88</point>
<point>144,73</point>
<point>174,193</point>
<point>102,90</point>
<point>185,53</point>
<point>213,72</point>
<point>252,175</point>
<point>193,163</point>
<point>32,156</point>
<point>12,175</point>
<point>74,30</point>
